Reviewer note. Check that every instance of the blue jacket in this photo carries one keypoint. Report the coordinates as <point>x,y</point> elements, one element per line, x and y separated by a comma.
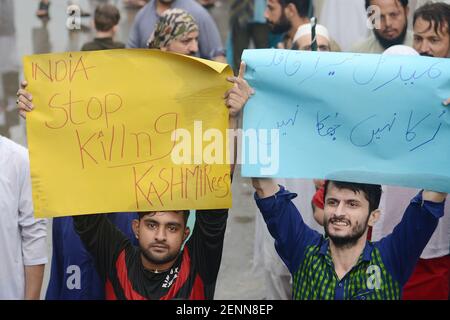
<point>73,275</point>
<point>382,268</point>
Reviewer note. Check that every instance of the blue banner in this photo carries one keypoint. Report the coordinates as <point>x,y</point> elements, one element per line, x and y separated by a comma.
<point>344,116</point>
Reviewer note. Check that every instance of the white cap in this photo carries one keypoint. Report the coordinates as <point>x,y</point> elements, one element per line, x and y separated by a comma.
<point>400,50</point>
<point>305,29</point>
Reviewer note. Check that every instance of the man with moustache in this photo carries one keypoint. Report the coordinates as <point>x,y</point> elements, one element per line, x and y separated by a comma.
<point>343,264</point>
<point>285,17</point>
<point>393,27</point>
<point>209,41</point>
<point>432,30</point>
<point>431,276</point>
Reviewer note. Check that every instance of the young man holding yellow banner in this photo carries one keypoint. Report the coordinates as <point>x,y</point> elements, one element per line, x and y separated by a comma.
<point>158,268</point>
<point>73,275</point>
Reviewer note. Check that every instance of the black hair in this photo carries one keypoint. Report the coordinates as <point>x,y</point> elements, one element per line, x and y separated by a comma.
<point>437,13</point>
<point>106,16</point>
<point>372,192</point>
<point>185,214</point>
<point>302,6</point>
<point>404,3</point>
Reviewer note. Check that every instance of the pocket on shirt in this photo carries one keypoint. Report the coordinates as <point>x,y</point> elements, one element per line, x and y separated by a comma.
<point>366,294</point>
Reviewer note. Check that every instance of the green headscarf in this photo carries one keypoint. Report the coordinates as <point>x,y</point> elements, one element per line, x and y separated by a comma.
<point>174,24</point>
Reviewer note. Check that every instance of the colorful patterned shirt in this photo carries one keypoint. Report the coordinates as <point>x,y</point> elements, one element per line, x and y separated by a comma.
<point>382,268</point>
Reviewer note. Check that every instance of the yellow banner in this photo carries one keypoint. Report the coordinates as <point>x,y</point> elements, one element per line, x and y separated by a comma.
<point>102,135</point>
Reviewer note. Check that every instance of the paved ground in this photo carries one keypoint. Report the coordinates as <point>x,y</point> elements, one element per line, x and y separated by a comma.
<point>21,33</point>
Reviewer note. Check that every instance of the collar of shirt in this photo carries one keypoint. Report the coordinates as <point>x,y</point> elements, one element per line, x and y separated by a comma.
<point>365,255</point>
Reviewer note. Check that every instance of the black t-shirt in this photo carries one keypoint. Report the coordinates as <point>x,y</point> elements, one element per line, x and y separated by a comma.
<point>102,44</point>
<point>118,262</point>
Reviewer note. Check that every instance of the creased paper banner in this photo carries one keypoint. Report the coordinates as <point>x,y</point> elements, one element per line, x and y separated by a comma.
<point>100,137</point>
<point>352,117</point>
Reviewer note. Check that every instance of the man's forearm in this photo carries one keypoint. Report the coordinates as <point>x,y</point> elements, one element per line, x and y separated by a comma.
<point>33,281</point>
<point>433,196</point>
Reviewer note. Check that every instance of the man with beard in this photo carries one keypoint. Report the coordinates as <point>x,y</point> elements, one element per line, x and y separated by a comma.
<point>432,30</point>
<point>393,27</point>
<point>285,17</point>
<point>430,279</point>
<point>210,44</point>
<point>344,265</point>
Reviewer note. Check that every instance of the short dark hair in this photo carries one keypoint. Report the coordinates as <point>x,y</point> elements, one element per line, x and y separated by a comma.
<point>404,3</point>
<point>437,13</point>
<point>372,192</point>
<point>302,6</point>
<point>106,16</point>
<point>185,214</point>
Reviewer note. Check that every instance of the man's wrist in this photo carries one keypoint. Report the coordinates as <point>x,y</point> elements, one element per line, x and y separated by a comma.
<point>433,196</point>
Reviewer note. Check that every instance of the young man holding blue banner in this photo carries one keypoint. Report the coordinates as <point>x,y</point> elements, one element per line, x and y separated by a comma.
<point>344,265</point>
<point>392,29</point>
